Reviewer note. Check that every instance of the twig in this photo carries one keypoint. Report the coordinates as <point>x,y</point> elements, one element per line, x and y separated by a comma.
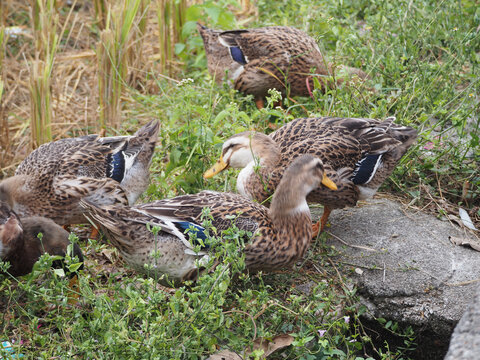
<point>251,318</point>
<point>462,283</point>
<point>384,271</point>
<point>350,245</point>
<point>338,273</point>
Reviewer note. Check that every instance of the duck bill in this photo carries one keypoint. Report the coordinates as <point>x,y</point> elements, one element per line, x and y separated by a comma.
<point>219,166</point>
<point>328,183</point>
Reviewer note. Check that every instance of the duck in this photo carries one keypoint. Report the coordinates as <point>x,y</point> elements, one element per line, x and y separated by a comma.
<point>52,179</point>
<point>358,155</point>
<point>279,235</point>
<point>274,57</point>
<point>21,246</point>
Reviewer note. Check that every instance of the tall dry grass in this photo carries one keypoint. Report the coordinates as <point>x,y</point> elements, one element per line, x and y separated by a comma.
<point>54,89</point>
<point>4,141</point>
<point>101,8</point>
<point>4,133</point>
<point>116,42</point>
<point>136,55</point>
<point>171,17</point>
<point>45,22</point>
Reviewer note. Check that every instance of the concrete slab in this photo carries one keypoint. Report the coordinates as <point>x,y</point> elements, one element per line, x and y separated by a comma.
<point>465,341</point>
<point>410,271</point>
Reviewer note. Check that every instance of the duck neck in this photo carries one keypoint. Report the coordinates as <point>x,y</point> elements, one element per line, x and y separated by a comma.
<point>290,214</point>
<point>11,191</point>
<point>288,202</point>
<point>266,159</point>
<point>5,190</point>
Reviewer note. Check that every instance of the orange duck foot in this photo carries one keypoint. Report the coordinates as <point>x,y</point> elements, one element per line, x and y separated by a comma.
<point>259,103</point>
<point>320,225</point>
<point>93,233</point>
<point>74,290</point>
<point>315,229</point>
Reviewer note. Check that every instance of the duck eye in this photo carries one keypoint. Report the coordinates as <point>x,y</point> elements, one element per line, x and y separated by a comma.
<point>230,146</point>
<point>225,150</point>
<point>319,165</point>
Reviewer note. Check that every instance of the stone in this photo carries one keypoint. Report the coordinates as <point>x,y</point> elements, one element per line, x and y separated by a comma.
<point>412,273</point>
<point>465,341</point>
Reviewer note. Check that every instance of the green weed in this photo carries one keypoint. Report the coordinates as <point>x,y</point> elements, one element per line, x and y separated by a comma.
<point>423,61</point>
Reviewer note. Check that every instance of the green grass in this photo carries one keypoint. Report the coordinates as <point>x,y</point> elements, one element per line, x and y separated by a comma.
<point>423,57</point>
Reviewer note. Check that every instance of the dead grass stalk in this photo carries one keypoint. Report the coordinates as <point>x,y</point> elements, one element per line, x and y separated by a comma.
<point>171,17</point>
<point>112,59</point>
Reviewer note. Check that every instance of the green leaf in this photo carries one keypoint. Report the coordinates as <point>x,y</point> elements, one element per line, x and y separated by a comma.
<point>179,47</point>
<point>59,272</point>
<point>74,267</point>
<point>214,12</point>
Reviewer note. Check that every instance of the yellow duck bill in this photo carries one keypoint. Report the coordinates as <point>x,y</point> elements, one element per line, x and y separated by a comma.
<point>329,183</point>
<point>219,166</point>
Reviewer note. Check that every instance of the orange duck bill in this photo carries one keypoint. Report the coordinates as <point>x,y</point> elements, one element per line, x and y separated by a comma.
<point>219,166</point>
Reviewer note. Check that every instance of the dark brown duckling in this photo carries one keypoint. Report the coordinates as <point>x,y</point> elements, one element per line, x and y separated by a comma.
<point>20,245</point>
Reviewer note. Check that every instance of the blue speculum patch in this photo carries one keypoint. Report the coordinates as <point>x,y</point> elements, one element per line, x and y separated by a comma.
<point>237,55</point>
<point>184,225</point>
<point>116,166</point>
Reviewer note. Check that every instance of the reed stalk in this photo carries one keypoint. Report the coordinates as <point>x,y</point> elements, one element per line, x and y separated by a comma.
<point>4,135</point>
<point>112,59</point>
<point>171,17</point>
<point>101,8</point>
<point>136,59</point>
<point>45,22</point>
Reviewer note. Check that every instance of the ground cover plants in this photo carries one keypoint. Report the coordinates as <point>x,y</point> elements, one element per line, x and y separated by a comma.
<point>423,60</point>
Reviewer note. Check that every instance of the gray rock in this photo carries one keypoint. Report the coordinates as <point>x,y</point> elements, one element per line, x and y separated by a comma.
<point>465,342</point>
<point>409,270</point>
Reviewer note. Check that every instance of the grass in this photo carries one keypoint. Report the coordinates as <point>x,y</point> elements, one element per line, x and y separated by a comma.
<point>45,27</point>
<point>171,17</point>
<point>423,58</point>
<point>116,42</point>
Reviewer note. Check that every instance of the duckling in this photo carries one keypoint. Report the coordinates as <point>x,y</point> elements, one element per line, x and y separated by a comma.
<point>358,155</point>
<point>276,57</point>
<point>105,170</point>
<point>280,235</point>
<point>20,245</point>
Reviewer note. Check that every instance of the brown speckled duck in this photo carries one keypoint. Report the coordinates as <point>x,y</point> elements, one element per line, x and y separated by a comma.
<point>280,235</point>
<point>276,57</point>
<point>20,245</point>
<point>358,155</point>
<point>105,170</point>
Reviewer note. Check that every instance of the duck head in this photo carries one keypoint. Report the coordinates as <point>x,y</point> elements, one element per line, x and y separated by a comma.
<point>11,229</point>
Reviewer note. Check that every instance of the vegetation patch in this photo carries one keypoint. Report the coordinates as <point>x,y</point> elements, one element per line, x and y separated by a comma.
<point>104,70</point>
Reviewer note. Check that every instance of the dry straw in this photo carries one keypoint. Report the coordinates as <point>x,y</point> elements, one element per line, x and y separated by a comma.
<point>4,135</point>
<point>45,24</point>
<point>171,17</point>
<point>113,58</point>
<point>136,57</point>
<point>3,120</point>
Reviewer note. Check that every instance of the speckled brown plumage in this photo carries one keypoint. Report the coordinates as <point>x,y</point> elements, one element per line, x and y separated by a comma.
<point>279,235</point>
<point>340,142</point>
<point>54,177</point>
<point>20,244</point>
<point>277,57</point>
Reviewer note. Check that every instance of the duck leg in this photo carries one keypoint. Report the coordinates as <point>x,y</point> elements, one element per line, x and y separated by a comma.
<point>93,233</point>
<point>259,103</point>
<point>320,225</point>
<point>74,288</point>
